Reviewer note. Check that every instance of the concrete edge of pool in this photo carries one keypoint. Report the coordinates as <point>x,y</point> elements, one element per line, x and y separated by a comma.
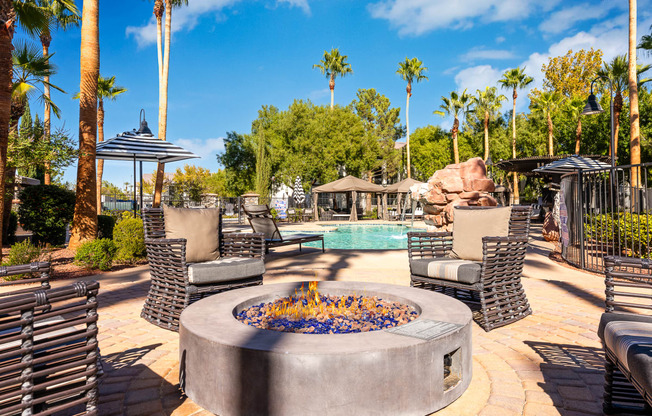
<point>230,368</point>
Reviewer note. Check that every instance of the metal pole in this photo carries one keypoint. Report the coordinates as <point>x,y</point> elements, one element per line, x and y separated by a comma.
<point>141,187</point>
<point>580,218</point>
<point>134,203</point>
<point>611,108</point>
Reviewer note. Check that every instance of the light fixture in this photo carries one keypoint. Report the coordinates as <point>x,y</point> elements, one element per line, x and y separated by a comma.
<point>143,130</point>
<point>593,107</point>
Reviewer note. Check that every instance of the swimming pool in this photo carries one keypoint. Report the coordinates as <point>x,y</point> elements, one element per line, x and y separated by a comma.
<point>358,236</point>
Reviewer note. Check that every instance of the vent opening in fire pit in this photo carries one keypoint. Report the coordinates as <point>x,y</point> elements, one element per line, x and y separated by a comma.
<point>315,313</point>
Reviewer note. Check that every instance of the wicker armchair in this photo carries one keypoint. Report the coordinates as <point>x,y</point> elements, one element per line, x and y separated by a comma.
<point>171,290</point>
<point>39,277</point>
<point>48,349</point>
<point>626,333</point>
<point>495,285</point>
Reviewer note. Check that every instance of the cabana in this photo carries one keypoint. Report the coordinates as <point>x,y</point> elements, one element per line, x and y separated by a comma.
<point>346,184</point>
<point>400,188</point>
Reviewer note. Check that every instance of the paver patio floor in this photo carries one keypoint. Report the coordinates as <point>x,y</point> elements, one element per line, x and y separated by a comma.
<point>549,363</point>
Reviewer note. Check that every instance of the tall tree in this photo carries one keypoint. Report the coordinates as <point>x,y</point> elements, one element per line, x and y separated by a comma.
<point>84,223</point>
<point>616,72</point>
<point>60,14</point>
<point>547,103</point>
<point>572,109</point>
<point>634,130</point>
<point>410,70</point>
<point>333,65</point>
<point>571,75</point>
<point>456,105</point>
<point>106,90</point>
<point>30,20</point>
<point>515,79</point>
<point>488,104</point>
<point>163,76</point>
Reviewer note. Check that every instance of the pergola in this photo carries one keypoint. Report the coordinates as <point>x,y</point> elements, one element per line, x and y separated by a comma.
<point>400,188</point>
<point>345,185</point>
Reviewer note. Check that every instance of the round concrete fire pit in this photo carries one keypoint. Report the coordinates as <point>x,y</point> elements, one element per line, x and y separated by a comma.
<point>231,368</point>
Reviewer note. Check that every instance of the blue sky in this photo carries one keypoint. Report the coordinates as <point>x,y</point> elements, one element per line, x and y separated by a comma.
<point>230,57</point>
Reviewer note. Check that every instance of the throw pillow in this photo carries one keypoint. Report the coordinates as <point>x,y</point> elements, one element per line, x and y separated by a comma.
<point>200,228</point>
<point>470,225</point>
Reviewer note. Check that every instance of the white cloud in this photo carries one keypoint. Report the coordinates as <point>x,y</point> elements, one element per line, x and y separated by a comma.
<point>500,39</point>
<point>566,18</point>
<point>204,148</point>
<point>416,17</point>
<point>486,54</point>
<point>301,4</point>
<point>477,78</point>
<point>609,36</point>
<point>186,17</point>
<point>317,95</point>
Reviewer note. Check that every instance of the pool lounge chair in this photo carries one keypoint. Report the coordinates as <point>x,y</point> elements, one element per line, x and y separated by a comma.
<point>261,221</point>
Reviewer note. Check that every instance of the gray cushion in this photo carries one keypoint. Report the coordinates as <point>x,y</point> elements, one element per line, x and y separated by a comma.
<point>225,269</point>
<point>639,357</point>
<point>620,316</point>
<point>622,336</point>
<point>463,271</point>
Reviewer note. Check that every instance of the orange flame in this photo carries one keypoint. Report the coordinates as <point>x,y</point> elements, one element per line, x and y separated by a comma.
<point>306,305</point>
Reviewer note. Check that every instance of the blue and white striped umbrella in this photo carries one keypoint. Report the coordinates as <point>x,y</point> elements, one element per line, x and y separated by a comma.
<point>141,147</point>
<point>298,194</point>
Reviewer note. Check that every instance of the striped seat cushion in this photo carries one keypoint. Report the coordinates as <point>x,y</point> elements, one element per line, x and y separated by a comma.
<point>225,269</point>
<point>622,336</point>
<point>464,271</point>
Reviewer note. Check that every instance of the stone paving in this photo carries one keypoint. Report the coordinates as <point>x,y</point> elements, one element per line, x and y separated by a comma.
<point>549,363</point>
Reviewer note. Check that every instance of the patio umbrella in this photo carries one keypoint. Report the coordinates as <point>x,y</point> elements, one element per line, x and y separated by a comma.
<point>141,145</point>
<point>298,194</point>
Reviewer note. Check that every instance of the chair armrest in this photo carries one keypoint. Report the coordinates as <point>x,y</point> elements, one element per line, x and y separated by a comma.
<point>429,245</point>
<point>243,245</point>
<point>42,268</point>
<point>628,282</point>
<point>503,255</point>
<point>168,251</point>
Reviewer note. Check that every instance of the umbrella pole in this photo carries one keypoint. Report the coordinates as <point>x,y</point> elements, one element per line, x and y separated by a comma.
<point>354,213</point>
<point>141,187</point>
<point>134,203</point>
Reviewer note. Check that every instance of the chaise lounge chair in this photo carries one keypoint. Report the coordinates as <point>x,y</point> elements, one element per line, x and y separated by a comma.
<point>261,221</point>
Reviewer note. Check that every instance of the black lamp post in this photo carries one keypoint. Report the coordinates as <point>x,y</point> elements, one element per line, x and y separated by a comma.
<point>593,107</point>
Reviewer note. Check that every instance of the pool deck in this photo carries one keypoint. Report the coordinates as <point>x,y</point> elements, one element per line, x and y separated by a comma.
<point>550,363</point>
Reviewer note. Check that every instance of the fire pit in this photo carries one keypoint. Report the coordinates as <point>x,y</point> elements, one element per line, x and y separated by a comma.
<point>229,367</point>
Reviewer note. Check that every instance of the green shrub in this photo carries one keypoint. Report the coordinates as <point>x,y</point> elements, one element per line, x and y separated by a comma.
<point>21,253</point>
<point>96,254</point>
<point>129,239</point>
<point>105,224</point>
<point>630,231</point>
<point>45,211</point>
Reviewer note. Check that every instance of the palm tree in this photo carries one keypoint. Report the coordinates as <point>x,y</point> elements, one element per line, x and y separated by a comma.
<point>646,42</point>
<point>616,71</point>
<point>572,109</point>
<point>457,106</point>
<point>30,72</point>
<point>333,65</point>
<point>84,223</point>
<point>106,90</point>
<point>163,74</point>
<point>410,70</point>
<point>60,14</point>
<point>547,103</point>
<point>488,104</point>
<point>30,20</point>
<point>635,131</point>
<point>515,79</point>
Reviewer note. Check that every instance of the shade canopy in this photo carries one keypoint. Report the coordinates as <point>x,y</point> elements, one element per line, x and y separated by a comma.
<point>402,187</point>
<point>141,147</point>
<point>571,164</point>
<point>349,184</point>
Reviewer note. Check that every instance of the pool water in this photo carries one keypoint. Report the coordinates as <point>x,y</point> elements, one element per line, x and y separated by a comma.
<point>374,237</point>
